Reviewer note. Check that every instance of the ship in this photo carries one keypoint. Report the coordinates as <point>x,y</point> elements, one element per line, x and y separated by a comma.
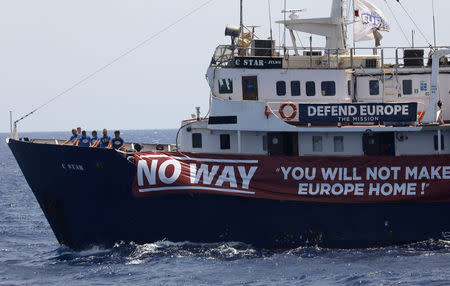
<point>332,146</point>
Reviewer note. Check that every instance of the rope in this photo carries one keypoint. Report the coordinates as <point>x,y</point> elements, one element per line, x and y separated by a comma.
<point>398,23</point>
<point>412,20</point>
<point>110,63</point>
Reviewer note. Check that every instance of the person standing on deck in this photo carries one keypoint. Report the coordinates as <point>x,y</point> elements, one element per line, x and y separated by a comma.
<point>73,139</point>
<point>79,132</point>
<point>117,142</point>
<point>94,139</point>
<point>104,141</point>
<point>84,141</point>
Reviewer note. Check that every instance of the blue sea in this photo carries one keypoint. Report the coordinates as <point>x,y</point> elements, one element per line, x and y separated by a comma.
<point>30,254</point>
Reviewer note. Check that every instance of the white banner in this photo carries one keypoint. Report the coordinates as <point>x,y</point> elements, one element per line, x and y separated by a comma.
<point>370,18</point>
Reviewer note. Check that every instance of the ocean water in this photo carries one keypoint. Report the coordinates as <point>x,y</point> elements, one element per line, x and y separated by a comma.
<point>30,254</point>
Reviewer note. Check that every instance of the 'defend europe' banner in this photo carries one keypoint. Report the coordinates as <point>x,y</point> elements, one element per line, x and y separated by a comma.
<point>408,179</point>
<point>358,113</point>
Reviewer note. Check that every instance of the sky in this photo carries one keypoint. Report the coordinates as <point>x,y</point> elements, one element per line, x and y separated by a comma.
<point>46,46</point>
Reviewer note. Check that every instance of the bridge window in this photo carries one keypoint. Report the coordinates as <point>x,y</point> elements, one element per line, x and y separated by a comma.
<point>338,143</point>
<point>407,87</point>
<point>328,88</point>
<point>225,86</point>
<point>310,88</point>
<point>295,88</point>
<point>317,144</point>
<point>196,140</point>
<point>224,141</point>
<point>281,88</point>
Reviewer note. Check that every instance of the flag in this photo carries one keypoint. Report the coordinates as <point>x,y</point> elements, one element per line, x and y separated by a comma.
<point>370,18</point>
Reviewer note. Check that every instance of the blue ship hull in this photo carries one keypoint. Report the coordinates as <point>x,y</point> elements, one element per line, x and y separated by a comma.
<point>86,196</point>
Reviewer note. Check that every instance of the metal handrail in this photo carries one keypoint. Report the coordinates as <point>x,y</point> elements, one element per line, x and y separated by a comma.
<point>389,57</point>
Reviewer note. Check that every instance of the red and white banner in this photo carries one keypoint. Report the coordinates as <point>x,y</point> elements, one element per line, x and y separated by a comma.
<point>314,179</point>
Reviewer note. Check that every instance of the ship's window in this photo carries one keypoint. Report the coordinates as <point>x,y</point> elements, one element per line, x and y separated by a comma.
<point>295,88</point>
<point>310,88</point>
<point>349,87</point>
<point>436,143</point>
<point>374,87</point>
<point>264,138</point>
<point>317,143</point>
<point>407,86</point>
<point>196,140</point>
<point>224,141</point>
<point>225,86</point>
<point>281,88</point>
<point>328,88</point>
<point>338,143</point>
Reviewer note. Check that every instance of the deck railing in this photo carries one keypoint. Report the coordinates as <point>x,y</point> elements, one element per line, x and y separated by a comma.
<point>322,58</point>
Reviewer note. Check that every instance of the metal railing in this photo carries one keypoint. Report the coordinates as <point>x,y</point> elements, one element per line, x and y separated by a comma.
<point>322,58</point>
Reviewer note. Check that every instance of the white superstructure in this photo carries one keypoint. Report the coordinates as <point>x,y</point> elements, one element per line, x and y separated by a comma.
<point>256,88</point>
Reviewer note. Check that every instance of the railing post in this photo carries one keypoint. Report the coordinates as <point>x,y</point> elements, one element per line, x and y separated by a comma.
<point>329,59</point>
<point>337,59</point>
<point>396,58</point>
<point>351,57</point>
<point>310,53</point>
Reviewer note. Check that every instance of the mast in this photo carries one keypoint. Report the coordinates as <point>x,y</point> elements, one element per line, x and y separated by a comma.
<point>332,28</point>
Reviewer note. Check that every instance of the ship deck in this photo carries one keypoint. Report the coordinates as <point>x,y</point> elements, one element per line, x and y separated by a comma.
<point>129,145</point>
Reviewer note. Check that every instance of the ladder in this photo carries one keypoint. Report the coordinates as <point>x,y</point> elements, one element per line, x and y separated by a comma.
<point>390,86</point>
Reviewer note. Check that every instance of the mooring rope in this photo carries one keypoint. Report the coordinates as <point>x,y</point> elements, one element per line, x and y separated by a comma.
<point>113,61</point>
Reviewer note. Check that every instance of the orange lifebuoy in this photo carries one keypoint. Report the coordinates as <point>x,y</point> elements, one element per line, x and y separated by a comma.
<point>294,110</point>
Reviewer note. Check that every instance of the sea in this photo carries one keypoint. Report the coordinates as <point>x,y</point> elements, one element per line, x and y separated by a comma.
<point>30,254</point>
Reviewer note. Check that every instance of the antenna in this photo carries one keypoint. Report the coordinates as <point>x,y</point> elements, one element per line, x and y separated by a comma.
<point>242,24</point>
<point>434,24</point>
<point>354,21</point>
<point>284,37</point>
<point>294,13</point>
<point>293,10</point>
<point>270,20</point>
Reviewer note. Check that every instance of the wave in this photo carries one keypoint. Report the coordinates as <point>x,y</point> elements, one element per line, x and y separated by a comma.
<point>135,254</point>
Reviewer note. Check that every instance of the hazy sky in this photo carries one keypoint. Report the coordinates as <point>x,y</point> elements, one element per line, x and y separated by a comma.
<point>48,45</point>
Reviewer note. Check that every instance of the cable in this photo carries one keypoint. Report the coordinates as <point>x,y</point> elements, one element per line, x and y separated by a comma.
<point>110,63</point>
<point>299,39</point>
<point>398,23</point>
<point>412,20</point>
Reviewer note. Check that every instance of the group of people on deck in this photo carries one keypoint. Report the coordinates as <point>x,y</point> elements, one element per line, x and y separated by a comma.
<point>80,138</point>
